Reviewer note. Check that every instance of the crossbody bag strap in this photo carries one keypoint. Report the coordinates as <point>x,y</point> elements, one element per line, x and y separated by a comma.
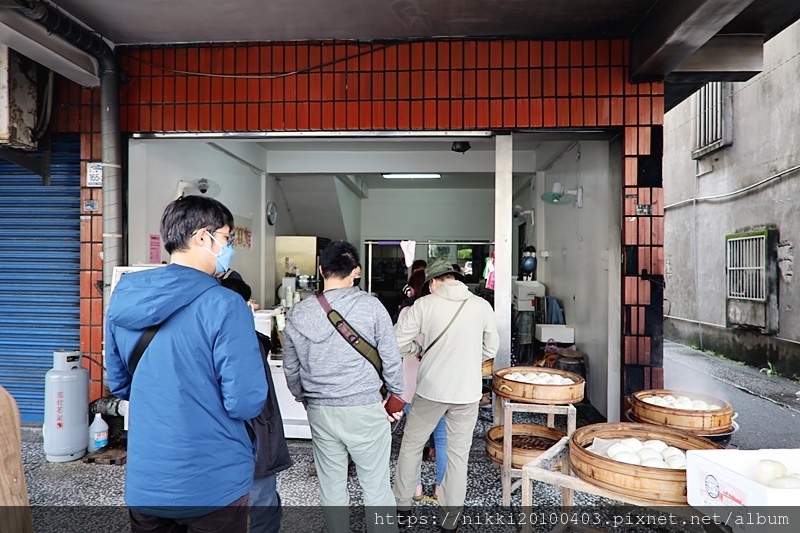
<point>353,338</point>
<point>141,346</point>
<point>460,307</point>
<point>147,338</point>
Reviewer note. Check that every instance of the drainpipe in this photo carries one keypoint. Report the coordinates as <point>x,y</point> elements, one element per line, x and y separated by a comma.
<point>78,36</point>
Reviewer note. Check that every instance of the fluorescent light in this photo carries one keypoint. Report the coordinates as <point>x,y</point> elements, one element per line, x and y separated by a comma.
<point>412,176</point>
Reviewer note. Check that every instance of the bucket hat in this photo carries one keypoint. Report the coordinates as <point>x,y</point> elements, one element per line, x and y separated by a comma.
<point>440,267</point>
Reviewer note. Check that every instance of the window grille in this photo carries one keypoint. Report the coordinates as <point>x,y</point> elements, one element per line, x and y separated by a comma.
<point>714,118</point>
<point>746,267</point>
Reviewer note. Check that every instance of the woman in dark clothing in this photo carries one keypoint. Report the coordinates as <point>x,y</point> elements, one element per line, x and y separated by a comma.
<point>273,453</point>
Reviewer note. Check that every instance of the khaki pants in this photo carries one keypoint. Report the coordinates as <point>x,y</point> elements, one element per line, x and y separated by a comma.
<point>364,432</point>
<point>460,422</point>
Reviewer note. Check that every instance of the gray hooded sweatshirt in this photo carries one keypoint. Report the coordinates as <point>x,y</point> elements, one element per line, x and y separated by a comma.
<point>321,368</point>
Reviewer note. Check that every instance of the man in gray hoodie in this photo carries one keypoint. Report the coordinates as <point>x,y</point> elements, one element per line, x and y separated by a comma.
<point>341,389</point>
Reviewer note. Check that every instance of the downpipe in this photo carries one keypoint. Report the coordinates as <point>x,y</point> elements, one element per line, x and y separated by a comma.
<point>67,29</point>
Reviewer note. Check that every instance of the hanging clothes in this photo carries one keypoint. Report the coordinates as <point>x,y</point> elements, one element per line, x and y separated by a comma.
<point>554,315</point>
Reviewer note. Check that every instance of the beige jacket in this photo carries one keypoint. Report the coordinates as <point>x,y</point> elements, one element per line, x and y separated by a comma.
<point>451,371</point>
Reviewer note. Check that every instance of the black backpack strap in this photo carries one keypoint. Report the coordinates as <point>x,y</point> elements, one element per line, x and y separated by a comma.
<point>147,337</point>
<point>141,346</point>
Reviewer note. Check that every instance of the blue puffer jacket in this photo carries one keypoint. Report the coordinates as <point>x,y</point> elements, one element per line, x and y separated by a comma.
<point>202,376</point>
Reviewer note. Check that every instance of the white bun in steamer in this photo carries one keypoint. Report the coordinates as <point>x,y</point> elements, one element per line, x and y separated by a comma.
<point>654,462</point>
<point>671,451</point>
<point>616,449</point>
<point>657,445</point>
<point>649,453</point>
<point>633,444</point>
<point>676,461</point>
<point>628,457</point>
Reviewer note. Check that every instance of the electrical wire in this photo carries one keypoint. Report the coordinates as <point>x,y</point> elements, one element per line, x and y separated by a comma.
<point>95,361</point>
<point>734,193</point>
<point>260,76</point>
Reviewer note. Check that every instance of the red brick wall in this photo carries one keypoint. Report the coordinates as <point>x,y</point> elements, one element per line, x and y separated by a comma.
<point>438,85</point>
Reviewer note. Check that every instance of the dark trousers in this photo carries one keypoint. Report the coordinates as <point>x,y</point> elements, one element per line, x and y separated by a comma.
<point>230,519</point>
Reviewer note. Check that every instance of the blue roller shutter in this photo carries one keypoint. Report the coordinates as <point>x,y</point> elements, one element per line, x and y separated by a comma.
<point>39,273</point>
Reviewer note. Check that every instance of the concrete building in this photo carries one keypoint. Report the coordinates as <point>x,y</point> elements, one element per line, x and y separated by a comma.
<point>729,254</point>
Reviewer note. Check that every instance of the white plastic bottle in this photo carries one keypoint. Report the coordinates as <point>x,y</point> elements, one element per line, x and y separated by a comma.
<point>98,433</point>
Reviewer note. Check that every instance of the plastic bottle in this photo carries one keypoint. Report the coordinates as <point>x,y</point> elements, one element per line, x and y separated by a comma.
<point>98,434</point>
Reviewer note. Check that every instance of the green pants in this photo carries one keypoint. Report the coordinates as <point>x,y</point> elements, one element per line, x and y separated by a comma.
<point>460,422</point>
<point>364,432</point>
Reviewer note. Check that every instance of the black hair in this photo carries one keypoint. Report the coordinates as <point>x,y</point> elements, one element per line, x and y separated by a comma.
<point>419,263</point>
<point>185,216</point>
<point>338,259</point>
<point>237,286</point>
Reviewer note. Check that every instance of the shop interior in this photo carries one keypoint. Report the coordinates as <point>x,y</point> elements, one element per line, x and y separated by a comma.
<point>291,195</point>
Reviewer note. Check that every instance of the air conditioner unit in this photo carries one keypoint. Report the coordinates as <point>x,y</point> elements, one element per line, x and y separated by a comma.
<point>18,96</point>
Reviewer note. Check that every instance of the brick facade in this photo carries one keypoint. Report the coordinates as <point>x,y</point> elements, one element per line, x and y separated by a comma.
<point>436,85</point>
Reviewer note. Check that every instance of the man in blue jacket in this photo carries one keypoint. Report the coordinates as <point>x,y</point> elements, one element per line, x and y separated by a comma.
<point>191,451</point>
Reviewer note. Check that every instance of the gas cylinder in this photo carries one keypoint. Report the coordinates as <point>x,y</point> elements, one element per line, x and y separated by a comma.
<point>66,408</point>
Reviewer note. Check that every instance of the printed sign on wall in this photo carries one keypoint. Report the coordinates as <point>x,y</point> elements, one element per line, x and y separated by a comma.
<point>155,248</point>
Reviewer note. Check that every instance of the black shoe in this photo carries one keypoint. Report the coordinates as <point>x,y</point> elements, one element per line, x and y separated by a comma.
<point>444,530</point>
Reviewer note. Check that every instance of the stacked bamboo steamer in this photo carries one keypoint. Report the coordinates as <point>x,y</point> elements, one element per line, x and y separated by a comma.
<point>696,420</point>
<point>551,394</point>
<point>487,367</point>
<point>658,485</point>
<point>528,441</point>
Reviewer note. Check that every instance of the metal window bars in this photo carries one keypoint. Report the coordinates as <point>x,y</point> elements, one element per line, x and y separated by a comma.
<point>746,268</point>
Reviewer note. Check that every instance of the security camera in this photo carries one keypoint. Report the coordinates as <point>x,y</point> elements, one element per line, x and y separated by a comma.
<point>202,185</point>
<point>460,146</point>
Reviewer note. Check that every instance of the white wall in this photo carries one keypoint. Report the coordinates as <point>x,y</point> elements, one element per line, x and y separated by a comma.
<point>430,214</point>
<point>584,247</point>
<point>157,166</point>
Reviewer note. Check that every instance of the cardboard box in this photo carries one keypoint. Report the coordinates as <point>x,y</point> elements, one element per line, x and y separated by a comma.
<point>725,478</point>
<point>524,305</point>
<point>558,332</point>
<point>528,290</point>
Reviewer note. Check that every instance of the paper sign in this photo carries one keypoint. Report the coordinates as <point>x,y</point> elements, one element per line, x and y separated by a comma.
<point>155,248</point>
<point>94,174</point>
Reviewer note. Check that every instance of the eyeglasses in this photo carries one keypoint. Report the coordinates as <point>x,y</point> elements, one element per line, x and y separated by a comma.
<point>229,237</point>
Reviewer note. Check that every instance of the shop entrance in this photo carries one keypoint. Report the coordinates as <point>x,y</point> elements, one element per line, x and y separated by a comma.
<point>438,190</point>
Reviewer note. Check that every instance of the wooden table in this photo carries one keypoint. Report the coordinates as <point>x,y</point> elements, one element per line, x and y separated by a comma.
<point>541,469</point>
<point>509,407</point>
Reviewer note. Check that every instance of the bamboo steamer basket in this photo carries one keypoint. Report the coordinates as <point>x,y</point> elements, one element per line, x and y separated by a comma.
<point>658,485</point>
<point>544,394</point>
<point>528,441</point>
<point>487,367</point>
<point>712,422</point>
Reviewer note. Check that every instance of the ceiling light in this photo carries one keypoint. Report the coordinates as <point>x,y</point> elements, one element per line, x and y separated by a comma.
<point>412,176</point>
